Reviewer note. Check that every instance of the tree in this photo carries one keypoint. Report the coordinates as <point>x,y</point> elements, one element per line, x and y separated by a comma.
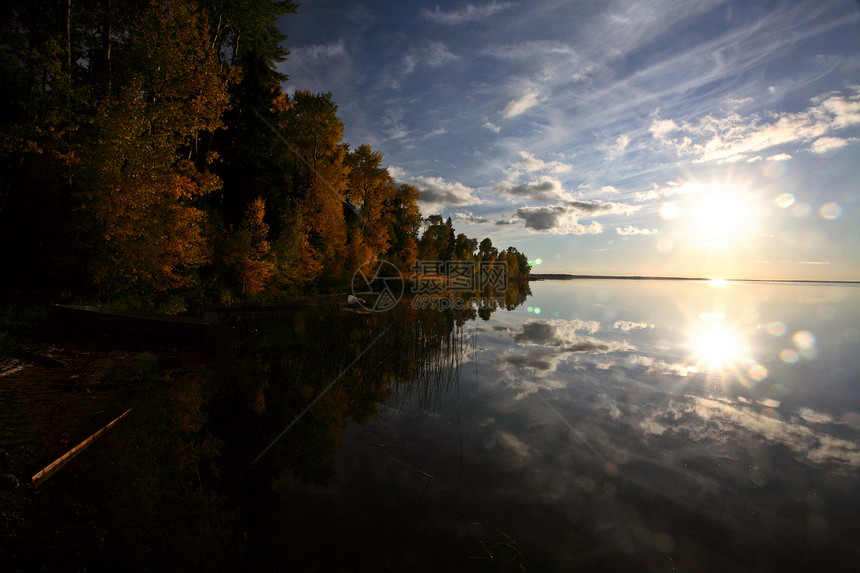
<point>464,248</point>
<point>318,173</point>
<point>486,250</point>
<point>403,224</point>
<point>140,182</point>
<point>370,191</point>
<point>437,242</point>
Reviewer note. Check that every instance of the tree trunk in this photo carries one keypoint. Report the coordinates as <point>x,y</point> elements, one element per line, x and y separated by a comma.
<point>106,32</point>
<point>67,33</point>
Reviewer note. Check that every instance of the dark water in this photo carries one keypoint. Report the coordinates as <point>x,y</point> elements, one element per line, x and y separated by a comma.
<point>596,425</point>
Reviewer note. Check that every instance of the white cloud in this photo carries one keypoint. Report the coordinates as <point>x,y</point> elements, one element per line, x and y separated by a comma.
<point>532,163</point>
<point>628,325</point>
<point>519,106</point>
<point>827,145</point>
<point>734,137</point>
<point>670,189</point>
<point>779,157</point>
<point>467,14</point>
<point>492,127</point>
<point>631,230</point>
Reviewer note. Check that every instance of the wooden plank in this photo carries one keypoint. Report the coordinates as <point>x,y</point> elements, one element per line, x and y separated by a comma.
<point>52,468</point>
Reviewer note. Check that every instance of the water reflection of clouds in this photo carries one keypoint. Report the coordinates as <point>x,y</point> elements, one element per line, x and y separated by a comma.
<point>719,421</point>
<point>562,334</point>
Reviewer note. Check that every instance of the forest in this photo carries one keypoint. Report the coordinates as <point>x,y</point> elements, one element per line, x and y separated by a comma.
<point>150,158</point>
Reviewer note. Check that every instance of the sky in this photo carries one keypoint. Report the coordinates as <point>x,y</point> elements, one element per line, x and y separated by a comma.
<point>665,137</point>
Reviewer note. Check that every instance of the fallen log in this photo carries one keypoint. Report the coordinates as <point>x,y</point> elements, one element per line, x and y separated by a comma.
<point>52,468</point>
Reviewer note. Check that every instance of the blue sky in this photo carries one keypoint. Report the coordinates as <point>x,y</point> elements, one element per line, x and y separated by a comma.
<point>684,138</point>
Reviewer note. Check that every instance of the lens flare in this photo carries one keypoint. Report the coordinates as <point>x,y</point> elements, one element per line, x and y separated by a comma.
<point>776,328</point>
<point>784,201</point>
<point>830,211</point>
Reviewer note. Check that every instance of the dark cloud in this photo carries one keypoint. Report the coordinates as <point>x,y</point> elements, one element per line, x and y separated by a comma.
<point>437,191</point>
<point>561,335</point>
<point>541,218</point>
<point>546,190</point>
<point>538,333</point>
<point>563,218</point>
<point>536,360</point>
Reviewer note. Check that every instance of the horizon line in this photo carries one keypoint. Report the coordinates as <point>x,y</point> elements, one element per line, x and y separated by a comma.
<point>566,276</point>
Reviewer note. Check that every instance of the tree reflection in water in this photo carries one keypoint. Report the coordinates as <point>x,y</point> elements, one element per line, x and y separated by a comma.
<point>174,488</point>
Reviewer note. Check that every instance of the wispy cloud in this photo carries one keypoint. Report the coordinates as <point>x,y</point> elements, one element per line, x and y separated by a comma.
<point>733,137</point>
<point>522,104</point>
<point>317,52</point>
<point>631,230</point>
<point>492,127</point>
<point>469,13</point>
<point>532,163</point>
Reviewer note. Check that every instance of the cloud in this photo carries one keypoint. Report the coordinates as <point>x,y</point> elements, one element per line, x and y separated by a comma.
<point>631,230</point>
<point>700,419</point>
<point>628,325</point>
<point>474,219</point>
<point>826,145</point>
<point>532,163</point>
<point>622,142</point>
<point>563,218</point>
<point>436,191</point>
<point>734,137</point>
<point>670,189</point>
<point>544,189</point>
<point>437,54</point>
<point>561,335</point>
<point>432,54</point>
<point>536,360</point>
<point>492,127</point>
<point>469,13</point>
<point>519,106</point>
<point>514,444</point>
<point>317,52</point>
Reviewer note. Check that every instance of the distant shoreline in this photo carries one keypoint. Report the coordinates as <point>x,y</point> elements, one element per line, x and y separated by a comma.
<point>564,277</point>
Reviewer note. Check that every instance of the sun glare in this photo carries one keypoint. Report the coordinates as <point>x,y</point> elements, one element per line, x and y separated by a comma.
<point>720,215</point>
<point>717,347</point>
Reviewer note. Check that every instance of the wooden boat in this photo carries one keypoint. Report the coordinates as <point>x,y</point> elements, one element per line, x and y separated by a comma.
<point>131,321</point>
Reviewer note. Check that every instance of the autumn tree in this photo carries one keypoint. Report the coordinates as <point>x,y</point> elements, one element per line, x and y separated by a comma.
<point>317,174</point>
<point>370,191</point>
<point>142,173</point>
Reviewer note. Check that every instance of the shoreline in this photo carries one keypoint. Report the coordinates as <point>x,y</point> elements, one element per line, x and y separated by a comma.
<point>564,277</point>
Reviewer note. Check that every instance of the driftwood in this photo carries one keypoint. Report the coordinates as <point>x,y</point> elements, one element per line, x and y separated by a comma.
<point>52,468</point>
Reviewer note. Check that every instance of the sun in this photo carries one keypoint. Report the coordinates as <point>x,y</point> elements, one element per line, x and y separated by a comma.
<point>720,214</point>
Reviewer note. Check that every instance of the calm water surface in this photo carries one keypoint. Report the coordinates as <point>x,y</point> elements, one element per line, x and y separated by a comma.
<point>609,425</point>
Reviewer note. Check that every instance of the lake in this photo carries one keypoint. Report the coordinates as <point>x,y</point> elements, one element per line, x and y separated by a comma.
<point>584,425</point>
<point>610,425</point>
